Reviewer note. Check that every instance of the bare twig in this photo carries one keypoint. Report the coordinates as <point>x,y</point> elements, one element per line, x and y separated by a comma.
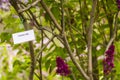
<point>32,60</point>
<point>73,75</point>
<point>90,39</point>
<point>49,38</point>
<point>66,44</point>
<point>109,16</point>
<point>62,17</point>
<point>84,18</point>
<point>51,15</point>
<point>29,6</point>
<point>37,25</point>
<point>112,38</point>
<point>114,33</point>
<point>71,34</point>
<point>102,33</point>
<point>31,51</point>
<point>40,59</point>
<point>44,47</point>
<point>37,75</point>
<point>16,7</point>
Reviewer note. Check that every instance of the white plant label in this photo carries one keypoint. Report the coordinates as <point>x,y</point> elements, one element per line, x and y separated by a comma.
<point>23,36</point>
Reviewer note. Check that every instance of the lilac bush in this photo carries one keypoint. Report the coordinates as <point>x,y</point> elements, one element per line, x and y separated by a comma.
<point>62,67</point>
<point>108,60</point>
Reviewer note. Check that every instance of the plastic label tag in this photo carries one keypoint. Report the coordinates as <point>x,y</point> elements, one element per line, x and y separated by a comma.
<point>23,36</point>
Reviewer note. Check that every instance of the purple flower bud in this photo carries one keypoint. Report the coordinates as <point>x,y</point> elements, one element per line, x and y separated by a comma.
<point>62,67</point>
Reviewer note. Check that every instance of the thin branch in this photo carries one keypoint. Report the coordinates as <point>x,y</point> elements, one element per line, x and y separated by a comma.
<point>51,15</point>
<point>84,19</point>
<point>102,33</point>
<point>92,15</point>
<point>73,75</point>
<point>32,60</point>
<point>37,25</point>
<point>37,75</point>
<point>50,31</point>
<point>112,38</point>
<point>62,17</point>
<point>31,52</point>
<point>66,44</point>
<point>40,59</point>
<point>16,7</point>
<point>43,48</point>
<point>114,32</point>
<point>29,6</point>
<point>49,38</point>
<point>52,26</point>
<point>71,34</point>
<point>75,45</point>
<point>109,16</point>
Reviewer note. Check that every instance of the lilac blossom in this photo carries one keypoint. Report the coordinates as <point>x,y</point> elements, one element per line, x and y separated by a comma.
<point>62,67</point>
<point>24,1</point>
<point>5,1</point>
<point>108,60</point>
<point>118,3</point>
<point>4,5</point>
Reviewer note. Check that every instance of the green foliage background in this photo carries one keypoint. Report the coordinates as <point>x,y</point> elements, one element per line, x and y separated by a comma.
<point>15,59</point>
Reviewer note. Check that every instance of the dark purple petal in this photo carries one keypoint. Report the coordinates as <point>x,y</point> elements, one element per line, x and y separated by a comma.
<point>62,67</point>
<point>108,60</point>
<point>118,3</point>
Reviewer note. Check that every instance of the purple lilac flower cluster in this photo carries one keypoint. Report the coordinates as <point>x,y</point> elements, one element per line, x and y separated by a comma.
<point>62,67</point>
<point>24,1</point>
<point>108,60</point>
<point>118,3</point>
<point>4,5</point>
